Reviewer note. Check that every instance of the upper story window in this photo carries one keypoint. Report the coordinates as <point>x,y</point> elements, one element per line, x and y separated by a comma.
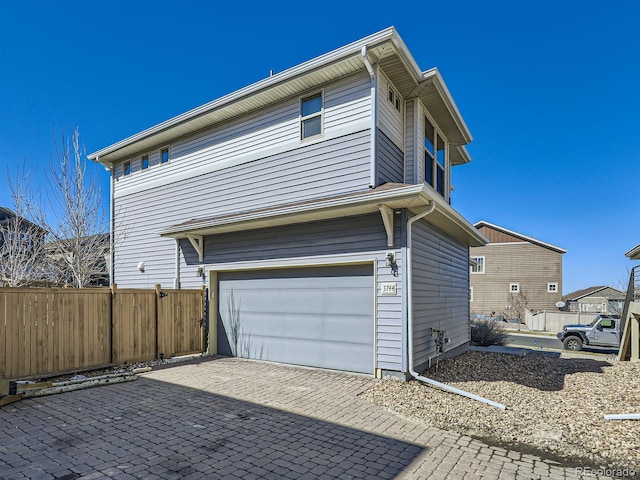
<point>144,162</point>
<point>126,168</point>
<point>435,158</point>
<point>164,155</point>
<point>311,116</point>
<point>478,266</point>
<point>394,99</point>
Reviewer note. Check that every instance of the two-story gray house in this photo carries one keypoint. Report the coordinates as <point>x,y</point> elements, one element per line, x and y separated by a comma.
<point>315,205</point>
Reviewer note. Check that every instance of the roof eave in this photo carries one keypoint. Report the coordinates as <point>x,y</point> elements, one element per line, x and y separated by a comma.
<point>520,235</point>
<point>634,253</point>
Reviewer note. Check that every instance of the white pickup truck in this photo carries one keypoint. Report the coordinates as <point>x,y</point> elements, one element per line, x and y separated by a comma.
<point>604,331</point>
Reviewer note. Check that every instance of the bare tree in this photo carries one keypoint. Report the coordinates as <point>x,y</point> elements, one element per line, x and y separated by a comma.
<point>78,239</point>
<point>518,305</point>
<point>21,238</point>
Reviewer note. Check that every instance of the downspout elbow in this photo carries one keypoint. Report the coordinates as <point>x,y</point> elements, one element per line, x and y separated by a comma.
<point>413,373</point>
<point>367,63</point>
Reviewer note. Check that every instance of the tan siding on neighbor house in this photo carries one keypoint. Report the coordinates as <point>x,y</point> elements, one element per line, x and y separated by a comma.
<point>532,266</point>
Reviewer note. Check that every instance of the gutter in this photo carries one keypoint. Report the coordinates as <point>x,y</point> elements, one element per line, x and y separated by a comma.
<point>112,201</point>
<point>413,373</point>
<point>374,115</point>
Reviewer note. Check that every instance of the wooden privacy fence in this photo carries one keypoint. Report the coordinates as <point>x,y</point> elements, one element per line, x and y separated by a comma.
<point>50,330</point>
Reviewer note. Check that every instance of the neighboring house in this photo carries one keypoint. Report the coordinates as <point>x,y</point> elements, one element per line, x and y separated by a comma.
<point>514,272</point>
<point>315,205</point>
<point>600,299</point>
<point>21,243</point>
<point>630,344</point>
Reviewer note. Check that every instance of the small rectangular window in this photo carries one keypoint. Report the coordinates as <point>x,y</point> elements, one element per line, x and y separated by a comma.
<point>471,294</point>
<point>144,162</point>
<point>392,95</point>
<point>478,265</point>
<point>514,287</point>
<point>126,168</point>
<point>552,287</point>
<point>311,116</point>
<point>164,155</point>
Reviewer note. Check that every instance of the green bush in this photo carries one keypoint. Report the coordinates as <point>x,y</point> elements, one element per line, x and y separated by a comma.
<point>487,332</point>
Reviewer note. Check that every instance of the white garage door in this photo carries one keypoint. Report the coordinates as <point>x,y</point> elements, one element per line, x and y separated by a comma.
<point>320,316</point>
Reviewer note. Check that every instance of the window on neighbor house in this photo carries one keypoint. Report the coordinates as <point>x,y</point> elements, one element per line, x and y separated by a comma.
<point>126,168</point>
<point>164,155</point>
<point>471,294</point>
<point>514,288</point>
<point>435,158</point>
<point>311,116</point>
<point>478,266</point>
<point>144,162</point>
<point>552,287</point>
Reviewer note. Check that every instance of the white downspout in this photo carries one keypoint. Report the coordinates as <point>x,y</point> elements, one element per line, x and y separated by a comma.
<point>374,116</point>
<point>413,373</point>
<point>112,257</point>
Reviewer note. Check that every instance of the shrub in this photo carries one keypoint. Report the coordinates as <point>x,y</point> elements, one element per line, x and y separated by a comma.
<point>485,333</point>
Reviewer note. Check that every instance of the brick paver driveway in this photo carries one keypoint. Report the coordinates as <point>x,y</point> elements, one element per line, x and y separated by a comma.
<point>230,418</point>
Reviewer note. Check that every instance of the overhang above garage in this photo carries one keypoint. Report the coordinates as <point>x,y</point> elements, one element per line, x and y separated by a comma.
<point>383,199</point>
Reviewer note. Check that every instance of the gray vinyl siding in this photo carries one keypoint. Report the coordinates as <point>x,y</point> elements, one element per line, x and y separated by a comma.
<point>411,136</point>
<point>420,148</point>
<point>330,241</point>
<point>319,170</point>
<point>274,129</point>
<point>390,120</point>
<point>440,276</point>
<point>390,160</point>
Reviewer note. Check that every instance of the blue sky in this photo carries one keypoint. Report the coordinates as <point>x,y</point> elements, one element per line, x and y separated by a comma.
<point>548,89</point>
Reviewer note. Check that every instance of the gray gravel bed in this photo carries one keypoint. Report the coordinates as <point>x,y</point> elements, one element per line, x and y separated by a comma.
<point>555,405</point>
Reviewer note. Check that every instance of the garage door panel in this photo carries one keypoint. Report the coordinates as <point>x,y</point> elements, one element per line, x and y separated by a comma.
<point>313,316</point>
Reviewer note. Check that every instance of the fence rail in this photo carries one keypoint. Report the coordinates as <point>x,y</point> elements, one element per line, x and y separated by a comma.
<point>51,330</point>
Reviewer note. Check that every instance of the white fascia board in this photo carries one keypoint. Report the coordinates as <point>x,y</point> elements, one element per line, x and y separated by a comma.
<point>282,77</point>
<point>520,235</point>
<point>634,253</point>
<point>434,75</point>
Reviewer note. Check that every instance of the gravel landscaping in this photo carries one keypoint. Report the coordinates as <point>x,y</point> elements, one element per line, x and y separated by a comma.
<point>555,406</point>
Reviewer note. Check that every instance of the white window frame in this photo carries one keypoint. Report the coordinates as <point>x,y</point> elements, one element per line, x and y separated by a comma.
<point>514,287</point>
<point>471,294</point>
<point>481,264</point>
<point>312,115</point>
<point>435,164</point>
<point>394,99</point>
<point>168,149</point>
<point>142,167</point>
<point>552,287</point>
<point>124,168</point>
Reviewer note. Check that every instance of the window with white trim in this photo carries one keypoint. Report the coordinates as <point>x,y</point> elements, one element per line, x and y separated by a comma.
<point>164,155</point>
<point>514,288</point>
<point>126,168</point>
<point>311,109</point>
<point>394,99</point>
<point>478,266</point>
<point>435,158</point>
<point>552,287</point>
<point>144,162</point>
<point>471,294</point>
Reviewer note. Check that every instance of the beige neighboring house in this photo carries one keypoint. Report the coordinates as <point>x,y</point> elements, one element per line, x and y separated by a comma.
<point>512,271</point>
<point>597,299</point>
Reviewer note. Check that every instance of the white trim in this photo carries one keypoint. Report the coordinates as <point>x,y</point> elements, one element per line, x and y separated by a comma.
<point>210,167</point>
<point>477,264</point>
<point>549,290</point>
<point>141,156</point>
<point>197,242</point>
<point>470,294</point>
<point>387,219</point>
<point>512,285</point>
<point>302,119</point>
<point>168,149</point>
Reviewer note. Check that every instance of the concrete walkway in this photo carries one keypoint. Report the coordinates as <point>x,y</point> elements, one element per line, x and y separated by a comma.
<point>237,419</point>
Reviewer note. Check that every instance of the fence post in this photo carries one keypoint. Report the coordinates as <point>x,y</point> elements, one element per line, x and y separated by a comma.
<point>158,291</point>
<point>114,289</point>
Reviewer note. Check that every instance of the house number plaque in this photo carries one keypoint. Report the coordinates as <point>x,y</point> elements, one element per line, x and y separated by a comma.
<point>390,288</point>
